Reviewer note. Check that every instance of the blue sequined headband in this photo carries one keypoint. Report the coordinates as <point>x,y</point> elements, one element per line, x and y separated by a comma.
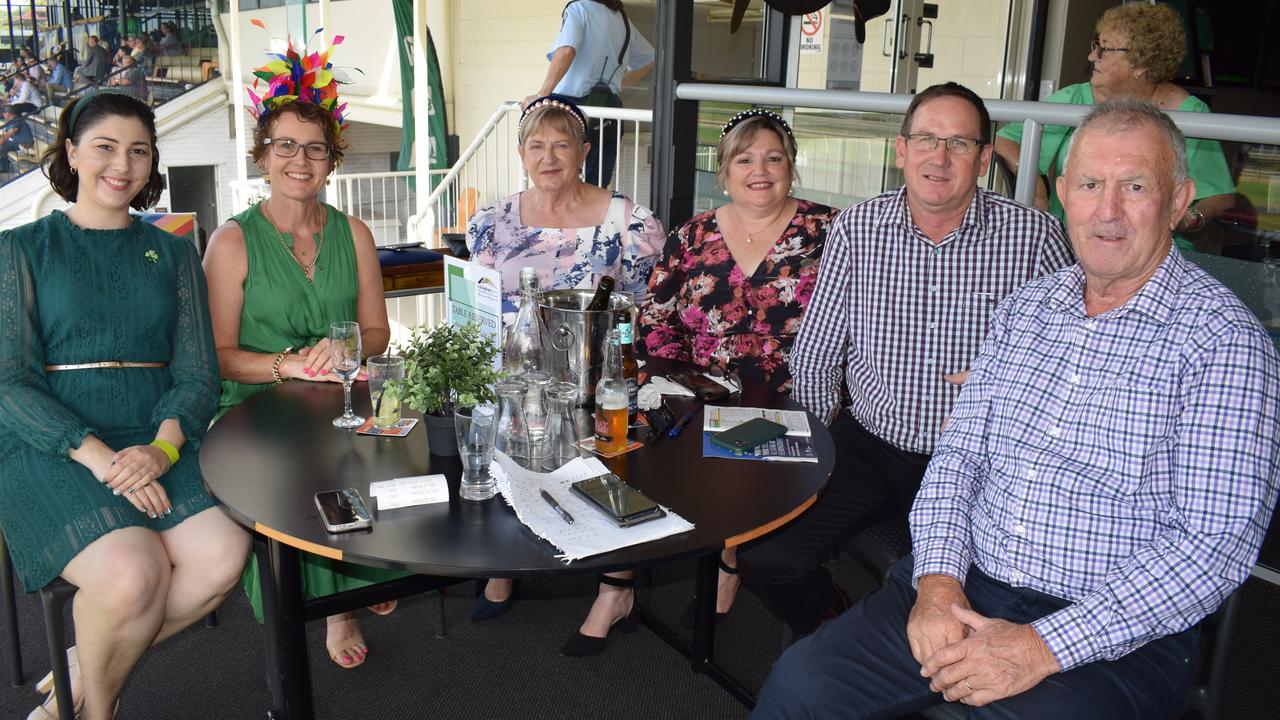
<point>757,112</point>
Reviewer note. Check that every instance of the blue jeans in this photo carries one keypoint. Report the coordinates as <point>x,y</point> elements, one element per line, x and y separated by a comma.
<point>860,666</point>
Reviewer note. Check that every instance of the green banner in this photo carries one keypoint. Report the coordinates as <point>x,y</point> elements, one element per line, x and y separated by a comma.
<point>437,152</point>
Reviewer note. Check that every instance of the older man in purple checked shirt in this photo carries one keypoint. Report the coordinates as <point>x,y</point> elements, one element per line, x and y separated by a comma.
<point>1105,481</point>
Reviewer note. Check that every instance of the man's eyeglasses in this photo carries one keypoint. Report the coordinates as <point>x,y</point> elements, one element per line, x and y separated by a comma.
<point>924,142</point>
<point>1097,48</point>
<point>286,148</point>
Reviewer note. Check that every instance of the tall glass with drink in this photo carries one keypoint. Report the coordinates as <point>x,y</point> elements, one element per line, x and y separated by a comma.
<point>385,391</point>
<point>611,400</point>
<point>475,427</point>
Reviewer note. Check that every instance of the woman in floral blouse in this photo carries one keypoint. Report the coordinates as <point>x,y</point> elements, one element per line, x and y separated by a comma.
<point>733,282</point>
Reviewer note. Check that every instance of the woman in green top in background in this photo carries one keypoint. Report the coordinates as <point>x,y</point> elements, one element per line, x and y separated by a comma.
<point>1135,53</point>
<point>278,274</point>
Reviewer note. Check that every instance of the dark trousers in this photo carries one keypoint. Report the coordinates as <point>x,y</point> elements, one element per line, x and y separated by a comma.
<point>870,481</point>
<point>859,665</point>
<point>598,170</point>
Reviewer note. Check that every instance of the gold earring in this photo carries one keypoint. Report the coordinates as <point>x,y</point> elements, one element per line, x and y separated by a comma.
<point>73,169</point>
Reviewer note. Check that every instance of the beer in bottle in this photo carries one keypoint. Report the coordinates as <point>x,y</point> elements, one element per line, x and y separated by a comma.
<point>611,400</point>
<point>600,301</point>
<point>626,339</point>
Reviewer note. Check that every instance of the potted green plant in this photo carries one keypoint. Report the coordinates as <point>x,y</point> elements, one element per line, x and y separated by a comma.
<point>446,366</point>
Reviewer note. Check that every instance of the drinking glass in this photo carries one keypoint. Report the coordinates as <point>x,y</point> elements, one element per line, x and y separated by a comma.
<point>475,426</point>
<point>512,436</point>
<point>535,415</point>
<point>385,400</point>
<point>344,350</point>
<point>562,426</point>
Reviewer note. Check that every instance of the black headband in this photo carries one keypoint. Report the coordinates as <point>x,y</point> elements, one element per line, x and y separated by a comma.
<point>757,112</point>
<point>559,102</point>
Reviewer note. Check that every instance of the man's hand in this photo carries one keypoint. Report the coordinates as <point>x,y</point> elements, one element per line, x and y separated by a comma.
<point>998,659</point>
<point>931,626</point>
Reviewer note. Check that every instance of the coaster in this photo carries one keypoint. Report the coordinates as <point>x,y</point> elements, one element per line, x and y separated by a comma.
<point>589,444</point>
<point>400,429</point>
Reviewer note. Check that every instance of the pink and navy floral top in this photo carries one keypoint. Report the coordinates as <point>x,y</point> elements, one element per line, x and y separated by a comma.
<point>625,246</point>
<point>704,310</point>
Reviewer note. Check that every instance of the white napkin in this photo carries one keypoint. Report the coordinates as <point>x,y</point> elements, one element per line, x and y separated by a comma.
<point>667,387</point>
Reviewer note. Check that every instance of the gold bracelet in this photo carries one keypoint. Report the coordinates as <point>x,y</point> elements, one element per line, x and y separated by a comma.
<point>169,450</point>
<point>275,366</point>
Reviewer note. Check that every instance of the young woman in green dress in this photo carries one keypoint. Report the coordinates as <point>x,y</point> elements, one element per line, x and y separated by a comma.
<point>108,379</point>
<point>279,273</point>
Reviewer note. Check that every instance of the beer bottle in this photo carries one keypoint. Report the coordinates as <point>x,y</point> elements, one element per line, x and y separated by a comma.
<point>611,399</point>
<point>600,301</point>
<point>626,338</point>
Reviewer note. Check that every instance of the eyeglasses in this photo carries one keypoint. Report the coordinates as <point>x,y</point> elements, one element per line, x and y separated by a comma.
<point>1099,49</point>
<point>286,148</point>
<point>924,142</point>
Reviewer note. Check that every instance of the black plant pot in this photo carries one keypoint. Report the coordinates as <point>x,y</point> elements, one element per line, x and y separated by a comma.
<point>441,439</point>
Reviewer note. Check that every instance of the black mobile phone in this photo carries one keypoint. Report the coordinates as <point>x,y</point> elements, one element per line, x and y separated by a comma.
<point>343,510</point>
<point>700,385</point>
<point>622,503</point>
<point>749,434</point>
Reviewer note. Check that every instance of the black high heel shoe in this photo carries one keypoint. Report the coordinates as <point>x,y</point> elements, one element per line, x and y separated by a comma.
<point>687,616</point>
<point>486,609</point>
<point>584,645</point>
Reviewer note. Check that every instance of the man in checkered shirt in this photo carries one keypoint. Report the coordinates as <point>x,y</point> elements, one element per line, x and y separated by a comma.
<point>906,288</point>
<point>1104,483</point>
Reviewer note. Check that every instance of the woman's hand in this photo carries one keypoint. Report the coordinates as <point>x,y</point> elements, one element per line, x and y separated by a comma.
<point>317,361</point>
<point>133,474</point>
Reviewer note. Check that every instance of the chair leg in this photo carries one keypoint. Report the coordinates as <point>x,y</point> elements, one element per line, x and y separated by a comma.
<point>440,628</point>
<point>12,640</point>
<point>211,620</point>
<point>54,597</point>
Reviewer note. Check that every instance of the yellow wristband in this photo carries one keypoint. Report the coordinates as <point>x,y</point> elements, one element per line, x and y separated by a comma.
<point>169,450</point>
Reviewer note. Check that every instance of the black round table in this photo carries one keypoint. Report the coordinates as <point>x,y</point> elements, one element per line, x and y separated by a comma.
<point>266,459</point>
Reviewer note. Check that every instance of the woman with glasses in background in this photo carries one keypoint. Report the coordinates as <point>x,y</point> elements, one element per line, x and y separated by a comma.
<point>1137,50</point>
<point>733,282</point>
<point>279,274</point>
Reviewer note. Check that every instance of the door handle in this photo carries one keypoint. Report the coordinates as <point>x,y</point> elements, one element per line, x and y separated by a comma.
<point>925,59</point>
<point>904,27</point>
<point>884,39</point>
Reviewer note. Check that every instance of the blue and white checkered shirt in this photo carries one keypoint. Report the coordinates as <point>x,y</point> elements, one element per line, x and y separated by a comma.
<point>1126,462</point>
<point>895,312</point>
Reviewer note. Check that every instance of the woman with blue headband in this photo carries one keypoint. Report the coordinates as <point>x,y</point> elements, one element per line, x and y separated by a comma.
<point>108,379</point>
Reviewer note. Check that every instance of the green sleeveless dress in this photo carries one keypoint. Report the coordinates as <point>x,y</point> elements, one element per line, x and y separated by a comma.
<point>282,309</point>
<point>70,295</point>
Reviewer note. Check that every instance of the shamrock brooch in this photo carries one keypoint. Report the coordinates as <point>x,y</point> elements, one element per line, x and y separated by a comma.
<point>152,256</point>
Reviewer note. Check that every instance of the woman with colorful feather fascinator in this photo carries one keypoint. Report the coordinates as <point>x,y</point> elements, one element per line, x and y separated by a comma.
<point>284,269</point>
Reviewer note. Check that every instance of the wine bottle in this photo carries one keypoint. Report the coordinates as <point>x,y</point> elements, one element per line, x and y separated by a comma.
<point>600,301</point>
<point>522,351</point>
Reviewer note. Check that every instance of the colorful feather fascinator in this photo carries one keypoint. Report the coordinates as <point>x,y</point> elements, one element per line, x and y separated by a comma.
<point>295,76</point>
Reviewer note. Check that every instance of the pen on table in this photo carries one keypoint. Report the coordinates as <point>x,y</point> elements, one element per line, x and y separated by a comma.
<point>556,506</point>
<point>679,426</point>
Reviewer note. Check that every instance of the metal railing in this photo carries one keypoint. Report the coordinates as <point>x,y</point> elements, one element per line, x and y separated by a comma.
<point>1033,116</point>
<point>489,169</point>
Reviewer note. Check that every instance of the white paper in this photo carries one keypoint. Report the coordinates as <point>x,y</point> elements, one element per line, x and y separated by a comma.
<point>591,532</point>
<point>410,491</point>
<point>717,419</point>
<point>667,387</point>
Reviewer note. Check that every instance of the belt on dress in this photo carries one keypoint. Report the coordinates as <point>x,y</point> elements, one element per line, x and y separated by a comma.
<point>105,364</point>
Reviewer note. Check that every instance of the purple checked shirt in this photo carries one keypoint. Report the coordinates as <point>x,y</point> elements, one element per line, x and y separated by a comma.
<point>1126,462</point>
<point>895,312</point>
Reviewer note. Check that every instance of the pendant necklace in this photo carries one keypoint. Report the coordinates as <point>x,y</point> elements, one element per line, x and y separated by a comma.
<point>307,268</point>
<point>752,233</point>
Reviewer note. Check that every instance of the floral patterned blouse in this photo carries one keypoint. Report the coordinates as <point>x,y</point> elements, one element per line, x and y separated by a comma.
<point>705,311</point>
<point>625,246</point>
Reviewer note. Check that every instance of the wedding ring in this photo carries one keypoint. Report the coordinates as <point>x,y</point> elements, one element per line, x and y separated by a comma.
<point>130,492</point>
<point>968,685</point>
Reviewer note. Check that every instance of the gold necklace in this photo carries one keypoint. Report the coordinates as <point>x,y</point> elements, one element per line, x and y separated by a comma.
<point>737,217</point>
<point>307,268</point>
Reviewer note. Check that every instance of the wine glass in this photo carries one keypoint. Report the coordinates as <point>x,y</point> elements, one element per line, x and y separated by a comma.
<point>344,349</point>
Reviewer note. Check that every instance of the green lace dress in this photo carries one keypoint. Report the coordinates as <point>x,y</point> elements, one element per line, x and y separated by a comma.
<point>282,309</point>
<point>70,295</point>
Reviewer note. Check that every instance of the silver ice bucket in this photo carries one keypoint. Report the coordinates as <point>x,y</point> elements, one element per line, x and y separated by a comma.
<point>575,336</point>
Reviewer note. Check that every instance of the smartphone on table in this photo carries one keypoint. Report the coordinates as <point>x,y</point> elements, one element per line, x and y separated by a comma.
<point>748,435</point>
<point>700,385</point>
<point>343,510</point>
<point>621,503</point>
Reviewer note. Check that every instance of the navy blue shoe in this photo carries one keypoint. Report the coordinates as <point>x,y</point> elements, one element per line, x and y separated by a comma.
<point>585,645</point>
<point>486,609</point>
